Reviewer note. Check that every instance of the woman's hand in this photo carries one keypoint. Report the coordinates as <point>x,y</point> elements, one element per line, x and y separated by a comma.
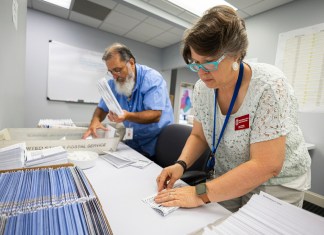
<point>181,197</point>
<point>169,176</point>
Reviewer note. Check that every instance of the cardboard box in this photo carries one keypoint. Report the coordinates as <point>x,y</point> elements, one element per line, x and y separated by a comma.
<point>60,166</point>
<point>69,138</point>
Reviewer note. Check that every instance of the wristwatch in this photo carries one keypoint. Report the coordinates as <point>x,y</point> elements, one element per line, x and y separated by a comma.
<point>201,191</point>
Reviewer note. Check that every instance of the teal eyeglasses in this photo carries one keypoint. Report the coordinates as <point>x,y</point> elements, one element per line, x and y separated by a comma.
<point>207,67</point>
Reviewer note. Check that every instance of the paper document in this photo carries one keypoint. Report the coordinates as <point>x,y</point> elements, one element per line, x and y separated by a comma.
<point>116,161</point>
<point>119,159</point>
<point>108,96</point>
<point>163,210</point>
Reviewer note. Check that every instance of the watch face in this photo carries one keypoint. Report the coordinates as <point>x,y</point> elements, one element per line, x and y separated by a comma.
<point>201,189</point>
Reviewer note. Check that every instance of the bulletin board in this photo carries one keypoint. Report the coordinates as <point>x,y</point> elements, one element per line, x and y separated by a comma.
<point>300,55</point>
<point>73,73</point>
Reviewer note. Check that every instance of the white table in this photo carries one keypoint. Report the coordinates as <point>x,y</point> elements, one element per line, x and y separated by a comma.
<point>121,191</point>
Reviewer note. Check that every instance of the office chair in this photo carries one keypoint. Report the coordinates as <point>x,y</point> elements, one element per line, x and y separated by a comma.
<point>169,147</point>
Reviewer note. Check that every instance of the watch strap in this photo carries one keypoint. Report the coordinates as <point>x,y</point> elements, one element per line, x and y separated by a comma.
<point>201,190</point>
<point>183,164</point>
<point>205,198</point>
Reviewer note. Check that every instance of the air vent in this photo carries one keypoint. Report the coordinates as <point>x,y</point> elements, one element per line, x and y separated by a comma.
<point>90,9</point>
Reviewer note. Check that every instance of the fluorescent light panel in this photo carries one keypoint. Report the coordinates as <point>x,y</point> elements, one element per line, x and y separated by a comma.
<point>61,3</point>
<point>199,7</point>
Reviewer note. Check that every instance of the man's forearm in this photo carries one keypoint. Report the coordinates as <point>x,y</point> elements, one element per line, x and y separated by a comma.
<point>144,117</point>
<point>98,115</point>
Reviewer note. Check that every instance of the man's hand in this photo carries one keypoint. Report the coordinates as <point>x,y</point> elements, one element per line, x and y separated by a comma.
<point>113,117</point>
<point>92,130</point>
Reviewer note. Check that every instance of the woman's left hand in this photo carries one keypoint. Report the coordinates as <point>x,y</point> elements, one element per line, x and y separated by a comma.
<point>181,197</point>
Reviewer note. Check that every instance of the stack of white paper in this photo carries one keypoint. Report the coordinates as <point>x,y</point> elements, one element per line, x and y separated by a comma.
<point>12,157</point>
<point>265,214</point>
<point>51,156</point>
<point>56,123</point>
<point>119,160</point>
<point>108,96</point>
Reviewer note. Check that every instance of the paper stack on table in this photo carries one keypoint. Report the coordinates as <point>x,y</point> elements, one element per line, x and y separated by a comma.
<point>51,156</point>
<point>12,157</point>
<point>119,160</point>
<point>265,214</point>
<point>56,123</point>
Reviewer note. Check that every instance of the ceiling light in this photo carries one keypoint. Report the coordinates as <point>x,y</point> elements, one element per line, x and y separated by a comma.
<point>199,7</point>
<point>61,3</point>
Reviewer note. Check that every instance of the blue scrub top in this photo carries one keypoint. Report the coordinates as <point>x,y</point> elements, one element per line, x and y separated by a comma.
<point>149,93</point>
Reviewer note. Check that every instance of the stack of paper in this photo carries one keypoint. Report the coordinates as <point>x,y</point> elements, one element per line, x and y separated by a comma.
<point>119,160</point>
<point>56,123</point>
<point>51,156</point>
<point>265,214</point>
<point>108,96</point>
<point>12,157</point>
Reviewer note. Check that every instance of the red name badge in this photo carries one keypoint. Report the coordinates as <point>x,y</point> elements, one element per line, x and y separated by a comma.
<point>242,122</point>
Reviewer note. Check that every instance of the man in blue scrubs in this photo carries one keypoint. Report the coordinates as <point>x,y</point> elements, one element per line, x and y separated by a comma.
<point>142,94</point>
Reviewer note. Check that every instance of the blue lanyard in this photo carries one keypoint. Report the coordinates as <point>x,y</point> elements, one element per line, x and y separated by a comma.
<point>211,160</point>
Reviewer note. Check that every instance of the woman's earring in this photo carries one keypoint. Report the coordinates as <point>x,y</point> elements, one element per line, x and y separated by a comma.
<point>235,66</point>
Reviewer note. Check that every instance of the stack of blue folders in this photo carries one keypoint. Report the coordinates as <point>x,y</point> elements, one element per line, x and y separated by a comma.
<point>12,156</point>
<point>49,201</point>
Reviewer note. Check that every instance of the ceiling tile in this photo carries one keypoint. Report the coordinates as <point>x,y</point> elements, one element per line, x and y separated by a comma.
<point>130,12</point>
<point>106,3</point>
<point>146,31</point>
<point>169,37</point>
<point>123,21</point>
<point>166,6</point>
<point>187,16</point>
<point>163,29</point>
<point>157,43</point>
<point>242,14</point>
<point>83,19</point>
<point>158,23</point>
<point>176,31</point>
<point>243,4</point>
<point>50,8</point>
<point>113,29</point>
<point>264,6</point>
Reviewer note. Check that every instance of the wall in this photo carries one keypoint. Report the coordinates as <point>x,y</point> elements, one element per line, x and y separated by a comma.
<point>12,64</point>
<point>263,31</point>
<point>44,27</point>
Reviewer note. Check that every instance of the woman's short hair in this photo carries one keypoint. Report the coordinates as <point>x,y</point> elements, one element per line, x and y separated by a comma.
<point>220,30</point>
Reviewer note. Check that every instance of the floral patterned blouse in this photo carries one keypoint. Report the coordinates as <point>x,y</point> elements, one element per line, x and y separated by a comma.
<point>269,110</point>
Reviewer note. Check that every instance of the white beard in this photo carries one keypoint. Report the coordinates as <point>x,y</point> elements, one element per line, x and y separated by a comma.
<point>126,88</point>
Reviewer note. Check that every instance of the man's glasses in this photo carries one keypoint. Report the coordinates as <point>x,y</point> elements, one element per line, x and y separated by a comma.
<point>207,67</point>
<point>117,71</point>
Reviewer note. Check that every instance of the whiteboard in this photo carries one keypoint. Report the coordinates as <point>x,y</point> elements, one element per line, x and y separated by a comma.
<point>73,73</point>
